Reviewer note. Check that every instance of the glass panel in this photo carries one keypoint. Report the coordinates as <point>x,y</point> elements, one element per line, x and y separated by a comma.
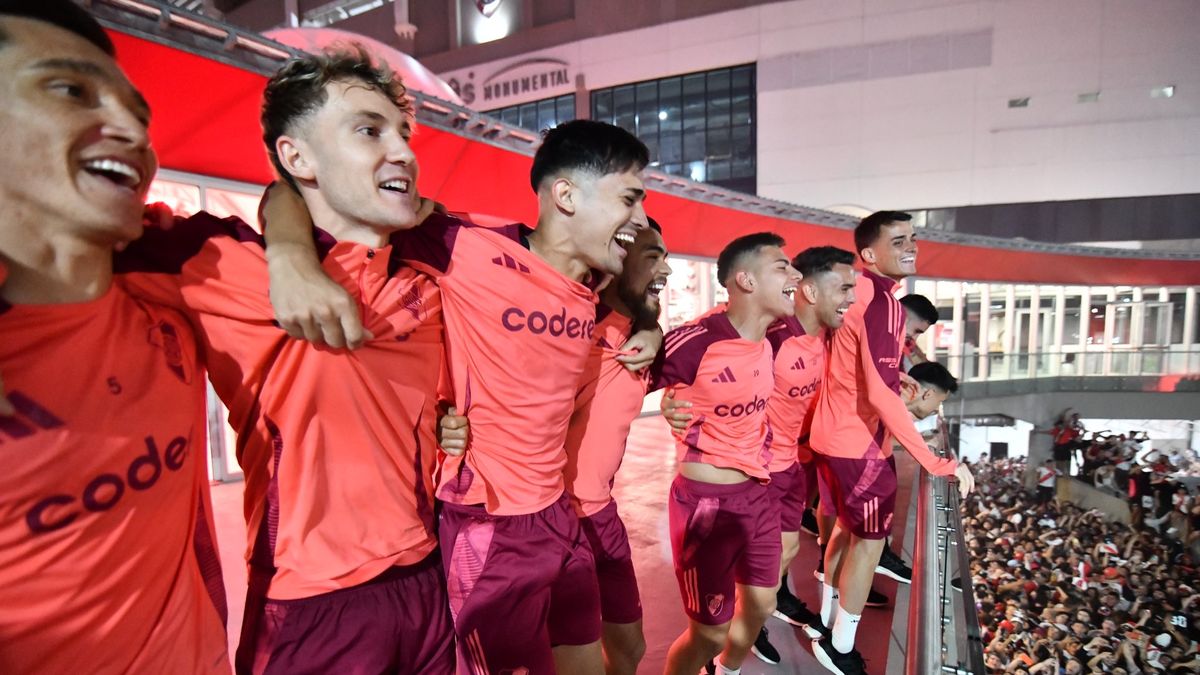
<point>602,106</point>
<point>624,113</point>
<point>683,292</point>
<point>718,144</point>
<point>529,116</point>
<point>718,98</point>
<point>718,170</point>
<point>1178,305</point>
<point>693,102</point>
<point>546,115</point>
<point>511,116</point>
<point>1071,320</point>
<point>970,336</point>
<point>1096,314</point>
<point>693,146</point>
<point>565,108</point>
<point>647,110</point>
<point>1122,324</point>
<point>1156,324</point>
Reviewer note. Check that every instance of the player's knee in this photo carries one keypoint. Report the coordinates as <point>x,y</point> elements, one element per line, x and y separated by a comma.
<point>709,640</point>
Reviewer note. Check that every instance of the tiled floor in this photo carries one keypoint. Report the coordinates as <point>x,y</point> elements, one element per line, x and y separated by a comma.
<point>641,492</point>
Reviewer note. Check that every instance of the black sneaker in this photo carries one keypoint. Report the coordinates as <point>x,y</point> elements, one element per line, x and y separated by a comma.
<point>764,650</point>
<point>808,523</point>
<point>837,662</point>
<point>876,599</point>
<point>819,573</point>
<point>792,610</point>
<point>892,566</point>
<point>710,668</point>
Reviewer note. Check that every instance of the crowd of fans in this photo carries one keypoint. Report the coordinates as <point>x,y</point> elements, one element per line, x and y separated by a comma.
<point>1160,486</point>
<point>1063,590</point>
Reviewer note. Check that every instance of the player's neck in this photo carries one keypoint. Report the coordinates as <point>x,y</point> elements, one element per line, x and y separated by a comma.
<point>807,316</point>
<point>874,269</point>
<point>748,320</point>
<point>339,226</point>
<point>612,298</point>
<point>553,243</point>
<point>45,269</point>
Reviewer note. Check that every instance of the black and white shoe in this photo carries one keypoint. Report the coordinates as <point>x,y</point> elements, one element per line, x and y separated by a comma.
<point>877,599</point>
<point>819,573</point>
<point>790,609</point>
<point>837,662</point>
<point>808,523</point>
<point>764,650</point>
<point>892,566</point>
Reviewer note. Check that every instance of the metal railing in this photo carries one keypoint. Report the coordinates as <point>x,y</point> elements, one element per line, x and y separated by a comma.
<point>1145,361</point>
<point>943,624</point>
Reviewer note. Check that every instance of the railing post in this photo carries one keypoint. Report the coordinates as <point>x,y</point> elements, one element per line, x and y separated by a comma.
<point>924,648</point>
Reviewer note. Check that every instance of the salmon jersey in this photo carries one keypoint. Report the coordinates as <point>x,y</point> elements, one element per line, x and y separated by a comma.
<point>799,369</point>
<point>860,408</point>
<point>608,400</point>
<point>108,559</point>
<point>728,381</point>
<point>338,448</point>
<point>518,334</point>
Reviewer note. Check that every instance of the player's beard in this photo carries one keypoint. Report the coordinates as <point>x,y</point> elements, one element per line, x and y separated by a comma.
<point>643,312</point>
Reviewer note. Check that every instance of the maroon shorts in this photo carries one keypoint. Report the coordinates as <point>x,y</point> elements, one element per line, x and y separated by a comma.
<point>620,601</point>
<point>722,535</point>
<point>518,586</point>
<point>860,492</point>
<point>398,622</point>
<point>789,489</point>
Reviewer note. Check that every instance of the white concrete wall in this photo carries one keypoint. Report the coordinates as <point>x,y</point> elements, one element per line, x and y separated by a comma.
<point>975,441</point>
<point>904,103</point>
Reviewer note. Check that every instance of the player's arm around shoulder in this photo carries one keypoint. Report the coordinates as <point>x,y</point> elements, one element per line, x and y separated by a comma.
<point>307,303</point>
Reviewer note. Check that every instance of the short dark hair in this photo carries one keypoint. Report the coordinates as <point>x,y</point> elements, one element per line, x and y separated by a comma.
<point>586,145</point>
<point>653,224</point>
<point>934,374</point>
<point>867,232</point>
<point>61,13</point>
<point>738,249</point>
<point>819,259</point>
<point>298,89</point>
<point>922,307</point>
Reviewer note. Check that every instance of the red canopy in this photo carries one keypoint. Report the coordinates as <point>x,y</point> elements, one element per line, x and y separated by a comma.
<point>206,122</point>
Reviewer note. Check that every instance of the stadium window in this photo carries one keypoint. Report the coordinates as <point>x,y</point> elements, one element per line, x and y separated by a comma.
<point>700,126</point>
<point>537,115</point>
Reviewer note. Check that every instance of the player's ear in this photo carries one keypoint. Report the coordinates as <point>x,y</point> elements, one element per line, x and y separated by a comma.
<point>809,291</point>
<point>744,280</point>
<point>868,255</point>
<point>293,155</point>
<point>565,195</point>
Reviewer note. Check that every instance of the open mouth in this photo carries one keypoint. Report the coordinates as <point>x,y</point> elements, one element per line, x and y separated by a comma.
<point>623,238</point>
<point>908,260</point>
<point>400,185</point>
<point>115,171</point>
<point>789,292</point>
<point>656,287</point>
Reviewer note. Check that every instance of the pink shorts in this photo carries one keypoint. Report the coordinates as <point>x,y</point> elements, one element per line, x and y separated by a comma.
<point>789,489</point>
<point>396,623</point>
<point>620,601</point>
<point>518,586</point>
<point>860,492</point>
<point>721,536</point>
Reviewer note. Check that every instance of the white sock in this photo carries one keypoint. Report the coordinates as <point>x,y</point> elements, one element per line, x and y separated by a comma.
<point>844,629</point>
<point>722,669</point>
<point>829,604</point>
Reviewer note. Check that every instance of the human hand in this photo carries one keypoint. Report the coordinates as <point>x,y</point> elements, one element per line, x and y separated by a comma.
<point>966,481</point>
<point>640,349</point>
<point>453,432</point>
<point>676,412</point>
<point>309,305</point>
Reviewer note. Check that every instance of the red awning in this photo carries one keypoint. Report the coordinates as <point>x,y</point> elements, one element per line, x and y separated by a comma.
<point>206,122</point>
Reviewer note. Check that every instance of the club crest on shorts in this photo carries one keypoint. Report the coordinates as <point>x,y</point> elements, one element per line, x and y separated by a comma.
<point>715,603</point>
